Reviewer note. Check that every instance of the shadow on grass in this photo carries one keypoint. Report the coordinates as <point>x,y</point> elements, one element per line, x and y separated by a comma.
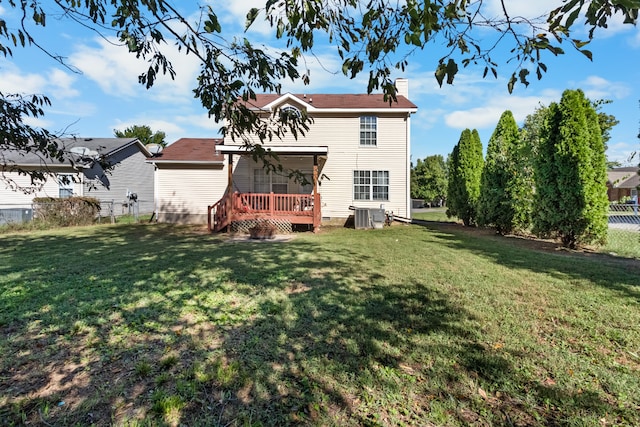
<point>160,324</point>
<point>608,271</point>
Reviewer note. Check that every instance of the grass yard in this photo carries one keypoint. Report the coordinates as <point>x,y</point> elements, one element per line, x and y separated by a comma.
<point>620,241</point>
<point>135,325</point>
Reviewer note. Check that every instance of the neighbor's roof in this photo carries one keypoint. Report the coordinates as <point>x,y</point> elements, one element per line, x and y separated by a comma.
<point>333,102</point>
<point>626,177</point>
<point>190,150</point>
<point>104,146</point>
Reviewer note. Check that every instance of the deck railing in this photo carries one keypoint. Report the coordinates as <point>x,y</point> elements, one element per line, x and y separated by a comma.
<point>297,208</point>
<point>273,204</point>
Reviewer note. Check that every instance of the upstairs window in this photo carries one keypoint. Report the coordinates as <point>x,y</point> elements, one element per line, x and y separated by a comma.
<point>290,112</point>
<point>368,130</point>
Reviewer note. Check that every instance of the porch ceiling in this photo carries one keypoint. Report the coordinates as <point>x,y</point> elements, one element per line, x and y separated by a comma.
<point>277,149</point>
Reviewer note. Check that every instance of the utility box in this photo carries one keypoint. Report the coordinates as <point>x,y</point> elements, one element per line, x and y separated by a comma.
<point>15,215</point>
<point>377,217</point>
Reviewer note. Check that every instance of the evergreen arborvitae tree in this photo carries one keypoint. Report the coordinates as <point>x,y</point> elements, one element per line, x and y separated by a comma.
<point>453,182</point>
<point>570,185</point>
<point>499,183</point>
<point>597,202</point>
<point>546,212</point>
<point>465,175</point>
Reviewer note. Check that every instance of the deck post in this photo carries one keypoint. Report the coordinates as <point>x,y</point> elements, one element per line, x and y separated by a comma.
<point>316,196</point>
<point>229,195</point>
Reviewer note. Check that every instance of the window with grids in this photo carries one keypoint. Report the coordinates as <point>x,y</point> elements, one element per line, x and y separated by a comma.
<point>266,183</point>
<point>368,130</point>
<point>371,185</point>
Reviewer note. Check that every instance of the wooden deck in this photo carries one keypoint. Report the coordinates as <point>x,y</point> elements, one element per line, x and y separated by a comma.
<point>293,208</point>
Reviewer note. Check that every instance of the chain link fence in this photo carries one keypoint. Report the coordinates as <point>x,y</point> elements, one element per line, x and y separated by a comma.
<point>110,211</point>
<point>624,230</point>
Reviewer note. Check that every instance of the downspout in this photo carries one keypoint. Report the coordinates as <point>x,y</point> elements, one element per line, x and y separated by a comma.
<point>155,190</point>
<point>408,169</point>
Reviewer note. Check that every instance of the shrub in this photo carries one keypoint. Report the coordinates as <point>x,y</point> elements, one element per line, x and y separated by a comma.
<point>263,230</point>
<point>66,212</point>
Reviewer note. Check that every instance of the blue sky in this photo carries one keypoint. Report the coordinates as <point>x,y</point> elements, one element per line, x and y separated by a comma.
<point>105,95</point>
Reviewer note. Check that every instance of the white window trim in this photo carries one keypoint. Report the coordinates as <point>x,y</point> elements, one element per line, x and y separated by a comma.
<point>68,186</point>
<point>370,185</point>
<point>370,129</point>
<point>290,109</point>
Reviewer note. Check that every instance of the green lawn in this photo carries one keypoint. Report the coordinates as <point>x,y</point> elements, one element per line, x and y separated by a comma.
<point>409,325</point>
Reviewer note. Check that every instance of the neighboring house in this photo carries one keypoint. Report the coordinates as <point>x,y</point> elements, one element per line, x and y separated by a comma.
<point>623,183</point>
<point>355,154</point>
<point>78,174</point>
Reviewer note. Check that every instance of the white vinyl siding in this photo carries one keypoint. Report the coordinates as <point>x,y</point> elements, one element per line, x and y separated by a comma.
<point>368,130</point>
<point>185,192</point>
<point>340,132</point>
<point>130,174</point>
<point>12,197</point>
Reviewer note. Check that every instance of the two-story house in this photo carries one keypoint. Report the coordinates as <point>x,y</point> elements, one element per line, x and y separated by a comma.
<point>355,154</point>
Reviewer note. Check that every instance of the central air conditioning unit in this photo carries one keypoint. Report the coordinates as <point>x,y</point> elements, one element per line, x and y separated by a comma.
<point>361,218</point>
<point>369,218</point>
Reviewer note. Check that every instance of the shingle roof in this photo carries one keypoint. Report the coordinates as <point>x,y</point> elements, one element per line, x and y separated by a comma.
<point>104,146</point>
<point>202,150</point>
<point>340,101</point>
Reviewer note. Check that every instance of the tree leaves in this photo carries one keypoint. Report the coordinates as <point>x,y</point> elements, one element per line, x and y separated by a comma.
<point>448,70</point>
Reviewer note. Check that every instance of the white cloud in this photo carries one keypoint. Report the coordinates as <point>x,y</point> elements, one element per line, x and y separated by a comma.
<point>615,25</point>
<point>487,116</point>
<point>200,121</point>
<point>526,9</point>
<point>111,67</point>
<point>621,152</point>
<point>74,108</point>
<point>427,118</point>
<point>596,87</point>
<point>179,126</point>
<point>38,122</point>
<point>116,71</point>
<point>235,13</point>
<point>62,84</point>
<point>16,82</point>
<point>53,82</point>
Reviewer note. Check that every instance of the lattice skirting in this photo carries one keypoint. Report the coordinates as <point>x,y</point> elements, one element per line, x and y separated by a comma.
<point>282,227</point>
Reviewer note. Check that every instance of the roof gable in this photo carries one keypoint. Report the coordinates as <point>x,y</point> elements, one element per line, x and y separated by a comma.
<point>105,147</point>
<point>318,102</point>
